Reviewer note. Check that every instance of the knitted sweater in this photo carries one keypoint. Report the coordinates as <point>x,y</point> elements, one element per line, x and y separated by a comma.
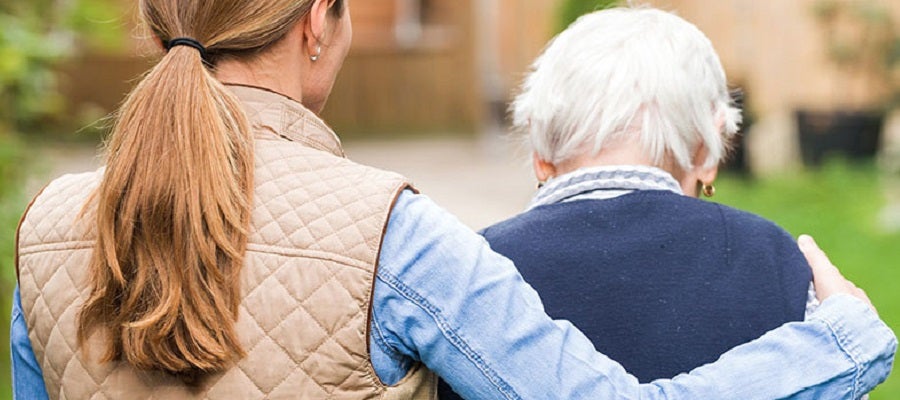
<point>659,281</point>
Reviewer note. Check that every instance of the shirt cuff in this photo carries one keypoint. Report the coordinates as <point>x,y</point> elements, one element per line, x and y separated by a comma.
<point>862,336</point>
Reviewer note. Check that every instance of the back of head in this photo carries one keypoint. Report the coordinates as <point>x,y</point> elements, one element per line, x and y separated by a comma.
<point>173,209</point>
<point>627,74</point>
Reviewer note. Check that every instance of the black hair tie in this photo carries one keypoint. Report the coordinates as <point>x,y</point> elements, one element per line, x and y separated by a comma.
<point>183,41</point>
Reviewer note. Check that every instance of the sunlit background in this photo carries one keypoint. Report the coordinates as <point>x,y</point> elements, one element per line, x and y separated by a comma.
<point>425,90</point>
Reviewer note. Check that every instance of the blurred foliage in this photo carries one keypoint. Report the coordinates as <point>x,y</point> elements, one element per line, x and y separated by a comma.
<point>10,165</point>
<point>12,204</point>
<point>570,10</point>
<point>37,36</point>
<point>862,37</point>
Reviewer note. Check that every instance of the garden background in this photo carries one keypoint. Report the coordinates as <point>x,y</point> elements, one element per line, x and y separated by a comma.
<point>47,48</point>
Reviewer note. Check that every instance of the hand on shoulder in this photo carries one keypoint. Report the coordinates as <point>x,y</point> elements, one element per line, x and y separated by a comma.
<point>826,277</point>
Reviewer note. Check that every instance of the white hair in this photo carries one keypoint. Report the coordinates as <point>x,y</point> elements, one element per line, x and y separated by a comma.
<point>622,72</point>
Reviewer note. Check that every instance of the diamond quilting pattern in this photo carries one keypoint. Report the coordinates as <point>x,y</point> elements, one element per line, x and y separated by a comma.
<point>332,305</point>
<point>332,195</point>
<point>235,384</point>
<point>273,302</point>
<point>60,220</point>
<point>317,226</point>
<point>267,365</point>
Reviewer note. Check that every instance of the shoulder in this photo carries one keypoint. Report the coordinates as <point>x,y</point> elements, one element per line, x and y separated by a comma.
<point>59,204</point>
<point>749,242</point>
<point>759,243</point>
<point>415,212</point>
<point>422,239</point>
<point>746,227</point>
<point>762,246</point>
<point>744,231</point>
<point>739,224</point>
<point>502,228</point>
<point>282,159</point>
<point>418,226</point>
<point>68,189</point>
<point>305,198</point>
<point>530,221</point>
<point>53,213</point>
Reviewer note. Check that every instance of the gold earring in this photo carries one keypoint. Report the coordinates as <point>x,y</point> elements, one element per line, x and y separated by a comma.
<point>709,190</point>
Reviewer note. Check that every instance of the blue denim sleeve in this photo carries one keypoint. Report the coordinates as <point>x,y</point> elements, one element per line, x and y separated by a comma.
<point>28,380</point>
<point>443,298</point>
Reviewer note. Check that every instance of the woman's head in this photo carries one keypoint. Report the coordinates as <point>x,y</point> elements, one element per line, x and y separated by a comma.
<point>639,76</point>
<point>251,33</point>
<point>173,208</point>
<point>227,28</point>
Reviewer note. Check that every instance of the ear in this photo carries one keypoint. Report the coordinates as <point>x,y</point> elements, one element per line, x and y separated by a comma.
<point>692,180</point>
<point>543,170</point>
<point>316,25</point>
<point>706,175</point>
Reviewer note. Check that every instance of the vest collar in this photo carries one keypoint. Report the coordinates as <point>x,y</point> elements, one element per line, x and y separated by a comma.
<point>286,118</point>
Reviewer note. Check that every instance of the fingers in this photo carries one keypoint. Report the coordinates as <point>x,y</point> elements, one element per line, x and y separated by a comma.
<point>861,294</point>
<point>828,280</point>
<point>826,277</point>
<point>817,258</point>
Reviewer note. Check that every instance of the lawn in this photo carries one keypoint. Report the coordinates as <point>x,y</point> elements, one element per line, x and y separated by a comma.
<point>839,205</point>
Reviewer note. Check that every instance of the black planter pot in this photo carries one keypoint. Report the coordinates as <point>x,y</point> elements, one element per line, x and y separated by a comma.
<point>855,135</point>
<point>737,160</point>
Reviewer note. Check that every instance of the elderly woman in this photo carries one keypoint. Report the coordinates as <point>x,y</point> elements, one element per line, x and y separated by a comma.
<point>628,115</point>
<point>229,250</point>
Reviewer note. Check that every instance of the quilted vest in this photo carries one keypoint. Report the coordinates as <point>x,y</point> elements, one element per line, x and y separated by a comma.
<point>317,226</point>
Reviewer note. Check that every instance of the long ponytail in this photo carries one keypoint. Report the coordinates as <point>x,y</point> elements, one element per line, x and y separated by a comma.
<point>173,208</point>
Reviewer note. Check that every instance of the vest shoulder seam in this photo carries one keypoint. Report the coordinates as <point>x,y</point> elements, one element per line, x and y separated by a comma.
<point>56,246</point>
<point>308,253</point>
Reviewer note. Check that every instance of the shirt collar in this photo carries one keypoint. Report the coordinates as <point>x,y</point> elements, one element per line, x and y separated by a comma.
<point>604,183</point>
<point>269,111</point>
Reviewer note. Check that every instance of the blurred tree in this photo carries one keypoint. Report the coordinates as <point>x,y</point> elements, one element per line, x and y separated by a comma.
<point>863,41</point>
<point>570,10</point>
<point>38,35</point>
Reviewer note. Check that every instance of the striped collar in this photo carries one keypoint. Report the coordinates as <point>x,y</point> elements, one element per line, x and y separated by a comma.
<point>600,183</point>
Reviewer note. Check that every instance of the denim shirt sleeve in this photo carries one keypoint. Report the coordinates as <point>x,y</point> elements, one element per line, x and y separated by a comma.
<point>28,380</point>
<point>443,298</point>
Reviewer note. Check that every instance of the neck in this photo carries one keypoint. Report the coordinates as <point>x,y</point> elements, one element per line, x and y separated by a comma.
<point>266,71</point>
<point>623,153</point>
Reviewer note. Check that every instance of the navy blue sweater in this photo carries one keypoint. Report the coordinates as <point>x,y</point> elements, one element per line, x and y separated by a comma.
<point>660,282</point>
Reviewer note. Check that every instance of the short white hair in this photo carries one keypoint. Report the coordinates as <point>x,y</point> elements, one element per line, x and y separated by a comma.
<point>622,72</point>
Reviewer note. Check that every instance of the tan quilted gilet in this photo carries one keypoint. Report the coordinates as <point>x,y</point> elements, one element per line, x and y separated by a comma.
<point>318,222</point>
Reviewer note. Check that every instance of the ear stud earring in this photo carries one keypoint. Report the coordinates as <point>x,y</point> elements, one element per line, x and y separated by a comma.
<point>709,190</point>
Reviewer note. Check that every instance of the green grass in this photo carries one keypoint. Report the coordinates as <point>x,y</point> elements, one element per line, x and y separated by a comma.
<point>839,205</point>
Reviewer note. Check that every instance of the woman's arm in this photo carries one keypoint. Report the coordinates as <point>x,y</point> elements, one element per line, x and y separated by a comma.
<point>28,380</point>
<point>444,298</point>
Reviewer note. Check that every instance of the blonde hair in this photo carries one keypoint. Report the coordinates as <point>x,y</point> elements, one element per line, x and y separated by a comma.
<point>173,209</point>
